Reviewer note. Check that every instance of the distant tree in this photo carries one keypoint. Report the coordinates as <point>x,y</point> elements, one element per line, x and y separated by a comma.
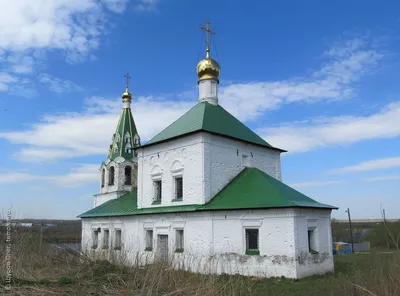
<point>384,235</point>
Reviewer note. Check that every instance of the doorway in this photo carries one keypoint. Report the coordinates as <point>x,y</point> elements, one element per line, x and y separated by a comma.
<point>162,247</point>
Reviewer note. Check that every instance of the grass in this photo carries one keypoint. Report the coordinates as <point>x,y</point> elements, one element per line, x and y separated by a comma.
<point>51,271</point>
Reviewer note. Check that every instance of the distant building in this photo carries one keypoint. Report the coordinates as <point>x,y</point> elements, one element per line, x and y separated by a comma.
<point>26,224</point>
<point>50,225</point>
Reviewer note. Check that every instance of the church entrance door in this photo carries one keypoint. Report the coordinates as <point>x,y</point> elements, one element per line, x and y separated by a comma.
<point>162,247</point>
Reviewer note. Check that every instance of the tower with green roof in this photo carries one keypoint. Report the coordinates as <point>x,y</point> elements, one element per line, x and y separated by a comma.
<point>119,170</point>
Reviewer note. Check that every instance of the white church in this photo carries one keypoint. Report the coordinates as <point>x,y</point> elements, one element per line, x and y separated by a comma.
<point>206,195</point>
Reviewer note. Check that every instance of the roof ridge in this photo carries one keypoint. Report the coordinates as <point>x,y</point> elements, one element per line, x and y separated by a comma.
<point>248,129</point>
<point>204,113</point>
<point>170,125</point>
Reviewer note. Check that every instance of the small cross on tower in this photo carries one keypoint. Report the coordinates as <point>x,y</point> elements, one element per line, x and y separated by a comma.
<point>208,40</point>
<point>127,76</point>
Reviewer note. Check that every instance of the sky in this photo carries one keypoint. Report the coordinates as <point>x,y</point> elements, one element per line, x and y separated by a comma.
<point>317,78</point>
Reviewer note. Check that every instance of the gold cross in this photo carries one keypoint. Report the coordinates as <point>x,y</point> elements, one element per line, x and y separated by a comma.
<point>127,76</point>
<point>208,32</point>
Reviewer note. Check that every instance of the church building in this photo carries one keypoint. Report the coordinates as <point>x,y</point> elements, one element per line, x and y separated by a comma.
<point>206,195</point>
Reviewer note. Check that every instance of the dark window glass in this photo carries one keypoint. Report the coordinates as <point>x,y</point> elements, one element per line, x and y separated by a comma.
<point>157,190</point>
<point>178,188</point>
<point>128,175</point>
<point>103,173</point>
<point>251,239</point>
<point>111,176</point>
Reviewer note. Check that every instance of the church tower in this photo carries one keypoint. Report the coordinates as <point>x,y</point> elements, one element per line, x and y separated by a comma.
<point>208,71</point>
<point>119,170</point>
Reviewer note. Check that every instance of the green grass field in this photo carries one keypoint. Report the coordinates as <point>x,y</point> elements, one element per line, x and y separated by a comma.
<point>47,270</point>
<point>51,271</point>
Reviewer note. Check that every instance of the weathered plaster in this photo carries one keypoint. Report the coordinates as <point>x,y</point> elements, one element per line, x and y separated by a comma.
<point>214,242</point>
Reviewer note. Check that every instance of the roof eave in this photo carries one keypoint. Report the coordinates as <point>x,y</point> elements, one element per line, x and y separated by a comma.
<point>200,209</point>
<point>271,207</point>
<point>203,130</point>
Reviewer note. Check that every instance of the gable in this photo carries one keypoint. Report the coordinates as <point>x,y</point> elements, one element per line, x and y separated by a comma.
<point>209,118</point>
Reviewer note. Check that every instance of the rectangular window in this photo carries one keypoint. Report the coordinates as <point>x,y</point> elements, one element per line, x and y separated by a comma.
<point>179,188</point>
<point>312,241</point>
<point>106,237</point>
<point>128,175</point>
<point>95,238</point>
<point>245,161</point>
<point>157,190</point>
<point>252,242</point>
<point>179,241</point>
<point>118,240</point>
<point>149,240</point>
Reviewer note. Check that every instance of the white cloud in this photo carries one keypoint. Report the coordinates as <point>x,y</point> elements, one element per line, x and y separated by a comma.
<point>29,29</point>
<point>347,62</point>
<point>71,25</point>
<point>370,165</point>
<point>20,63</point>
<point>76,177</point>
<point>5,80</point>
<point>58,85</point>
<point>89,132</point>
<point>66,135</point>
<point>314,184</point>
<point>382,178</point>
<point>117,6</point>
<point>341,130</point>
<point>146,5</point>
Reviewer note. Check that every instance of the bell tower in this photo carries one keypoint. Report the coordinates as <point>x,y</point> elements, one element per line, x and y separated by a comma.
<point>118,173</point>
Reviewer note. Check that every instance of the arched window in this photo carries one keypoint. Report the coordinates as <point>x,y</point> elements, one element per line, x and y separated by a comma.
<point>136,140</point>
<point>111,176</point>
<point>128,175</point>
<point>103,174</point>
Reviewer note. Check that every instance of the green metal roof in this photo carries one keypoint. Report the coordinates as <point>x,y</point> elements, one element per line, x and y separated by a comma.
<point>214,119</point>
<point>127,205</point>
<point>123,140</point>
<point>250,189</point>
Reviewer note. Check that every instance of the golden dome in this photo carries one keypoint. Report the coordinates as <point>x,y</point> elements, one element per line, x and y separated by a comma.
<point>208,69</point>
<point>126,96</point>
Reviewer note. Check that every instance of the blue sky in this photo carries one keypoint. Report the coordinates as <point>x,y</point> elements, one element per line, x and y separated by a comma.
<point>318,78</point>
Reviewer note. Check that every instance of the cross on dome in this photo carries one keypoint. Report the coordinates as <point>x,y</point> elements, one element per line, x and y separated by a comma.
<point>208,39</point>
<point>127,96</point>
<point>208,68</point>
<point>128,77</point>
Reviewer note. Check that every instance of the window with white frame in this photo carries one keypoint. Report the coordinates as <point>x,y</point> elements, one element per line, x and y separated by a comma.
<point>118,239</point>
<point>252,241</point>
<point>106,238</point>
<point>312,236</point>
<point>149,240</point>
<point>157,184</point>
<point>95,238</point>
<point>312,240</point>
<point>179,240</point>
<point>178,188</point>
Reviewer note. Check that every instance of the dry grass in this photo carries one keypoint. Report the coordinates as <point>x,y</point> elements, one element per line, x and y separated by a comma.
<point>52,271</point>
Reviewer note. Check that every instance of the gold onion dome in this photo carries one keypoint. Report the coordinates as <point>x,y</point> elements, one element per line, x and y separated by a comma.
<point>126,96</point>
<point>208,69</point>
